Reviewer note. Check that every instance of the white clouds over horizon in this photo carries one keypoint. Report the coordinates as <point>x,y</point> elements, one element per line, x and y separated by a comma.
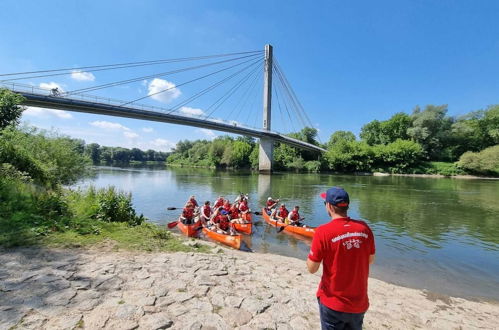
<point>147,129</point>
<point>82,75</point>
<point>109,125</point>
<point>208,132</point>
<point>163,90</point>
<point>191,111</point>
<point>42,112</point>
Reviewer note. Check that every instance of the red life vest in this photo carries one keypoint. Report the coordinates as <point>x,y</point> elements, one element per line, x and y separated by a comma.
<point>187,213</point>
<point>294,216</point>
<point>270,202</point>
<point>207,211</point>
<point>222,221</point>
<point>218,203</point>
<point>234,213</point>
<point>227,207</point>
<point>283,212</point>
<point>243,207</point>
<point>193,201</point>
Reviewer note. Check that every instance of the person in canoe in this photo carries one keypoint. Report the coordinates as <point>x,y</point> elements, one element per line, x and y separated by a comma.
<point>241,197</point>
<point>271,204</point>
<point>219,202</point>
<point>188,215</point>
<point>227,206</point>
<point>222,223</point>
<point>282,213</point>
<point>294,217</point>
<point>234,214</point>
<point>193,201</point>
<point>206,213</point>
<point>244,210</point>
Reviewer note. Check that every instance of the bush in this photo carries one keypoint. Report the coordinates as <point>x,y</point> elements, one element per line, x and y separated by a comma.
<point>398,156</point>
<point>350,156</point>
<point>313,166</point>
<point>116,206</point>
<point>485,162</point>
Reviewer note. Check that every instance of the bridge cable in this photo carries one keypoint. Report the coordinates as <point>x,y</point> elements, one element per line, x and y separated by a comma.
<point>244,99</point>
<point>231,92</point>
<point>94,68</point>
<point>213,86</point>
<point>161,74</point>
<point>187,82</point>
<point>286,105</point>
<point>244,96</point>
<point>274,90</point>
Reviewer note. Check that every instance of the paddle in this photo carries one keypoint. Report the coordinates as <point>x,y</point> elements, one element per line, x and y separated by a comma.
<point>282,228</point>
<point>172,224</point>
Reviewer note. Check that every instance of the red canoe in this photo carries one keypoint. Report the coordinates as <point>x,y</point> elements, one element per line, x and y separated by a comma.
<point>304,231</point>
<point>233,241</point>
<point>189,230</point>
<point>245,228</point>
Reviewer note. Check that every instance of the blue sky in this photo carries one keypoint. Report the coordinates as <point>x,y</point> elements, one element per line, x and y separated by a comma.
<point>349,62</point>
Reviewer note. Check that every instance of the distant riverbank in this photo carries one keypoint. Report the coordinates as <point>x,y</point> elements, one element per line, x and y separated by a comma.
<point>89,289</point>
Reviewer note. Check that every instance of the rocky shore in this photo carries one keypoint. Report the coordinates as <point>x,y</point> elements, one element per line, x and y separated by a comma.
<point>102,289</point>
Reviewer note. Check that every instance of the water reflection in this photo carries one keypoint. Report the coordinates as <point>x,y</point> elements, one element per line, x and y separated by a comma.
<point>440,234</point>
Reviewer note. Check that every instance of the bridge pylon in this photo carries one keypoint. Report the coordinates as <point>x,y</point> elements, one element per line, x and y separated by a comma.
<point>266,152</point>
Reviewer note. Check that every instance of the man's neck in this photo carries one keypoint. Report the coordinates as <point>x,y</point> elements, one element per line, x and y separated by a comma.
<point>338,216</point>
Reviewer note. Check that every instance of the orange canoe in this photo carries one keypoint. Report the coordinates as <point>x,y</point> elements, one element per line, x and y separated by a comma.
<point>233,241</point>
<point>189,230</point>
<point>304,231</point>
<point>245,228</point>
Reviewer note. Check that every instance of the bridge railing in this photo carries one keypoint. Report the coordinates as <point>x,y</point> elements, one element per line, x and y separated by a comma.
<point>24,88</point>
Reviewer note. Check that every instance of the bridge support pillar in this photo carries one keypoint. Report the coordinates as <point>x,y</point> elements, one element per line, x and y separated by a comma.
<point>267,145</point>
<point>266,156</point>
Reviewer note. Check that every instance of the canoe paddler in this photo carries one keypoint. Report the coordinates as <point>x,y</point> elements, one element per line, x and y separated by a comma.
<point>193,201</point>
<point>206,212</point>
<point>187,216</point>
<point>219,202</point>
<point>234,214</point>
<point>282,213</point>
<point>227,206</point>
<point>244,211</point>
<point>294,217</point>
<point>271,203</point>
<point>222,223</point>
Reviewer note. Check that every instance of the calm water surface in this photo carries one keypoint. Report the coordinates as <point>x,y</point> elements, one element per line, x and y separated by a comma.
<point>435,234</point>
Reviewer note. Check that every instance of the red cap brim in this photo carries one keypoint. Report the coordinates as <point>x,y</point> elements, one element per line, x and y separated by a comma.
<point>323,195</point>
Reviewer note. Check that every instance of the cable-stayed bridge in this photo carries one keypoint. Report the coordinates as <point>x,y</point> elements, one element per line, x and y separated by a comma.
<point>240,71</point>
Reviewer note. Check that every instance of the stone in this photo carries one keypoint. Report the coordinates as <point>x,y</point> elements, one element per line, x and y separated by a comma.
<point>60,298</point>
<point>97,318</point>
<point>129,312</point>
<point>155,322</point>
<point>67,321</point>
<point>233,301</point>
<point>235,317</point>
<point>255,306</point>
<point>204,280</point>
<point>33,320</point>
<point>160,291</point>
<point>81,285</point>
<point>299,322</point>
<point>122,324</point>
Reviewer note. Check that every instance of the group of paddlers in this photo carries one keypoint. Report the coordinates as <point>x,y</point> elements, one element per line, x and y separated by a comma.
<point>282,214</point>
<point>220,217</point>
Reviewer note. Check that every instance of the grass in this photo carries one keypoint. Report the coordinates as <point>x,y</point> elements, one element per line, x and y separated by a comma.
<point>145,237</point>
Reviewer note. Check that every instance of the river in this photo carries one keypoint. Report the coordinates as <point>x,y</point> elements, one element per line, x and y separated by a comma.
<point>431,233</point>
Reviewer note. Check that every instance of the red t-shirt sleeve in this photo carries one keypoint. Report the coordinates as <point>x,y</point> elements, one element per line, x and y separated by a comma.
<point>373,245</point>
<point>316,248</point>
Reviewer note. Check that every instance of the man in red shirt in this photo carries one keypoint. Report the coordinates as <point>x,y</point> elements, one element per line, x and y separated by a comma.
<point>346,249</point>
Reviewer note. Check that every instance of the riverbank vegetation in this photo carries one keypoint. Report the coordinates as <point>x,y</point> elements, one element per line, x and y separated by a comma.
<point>102,155</point>
<point>428,141</point>
<point>37,208</point>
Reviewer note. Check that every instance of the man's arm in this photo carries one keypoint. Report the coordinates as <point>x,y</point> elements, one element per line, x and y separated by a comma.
<point>371,259</point>
<point>312,266</point>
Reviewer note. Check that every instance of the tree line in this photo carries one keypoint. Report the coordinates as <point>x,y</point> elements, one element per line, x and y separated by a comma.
<point>427,141</point>
<point>117,155</point>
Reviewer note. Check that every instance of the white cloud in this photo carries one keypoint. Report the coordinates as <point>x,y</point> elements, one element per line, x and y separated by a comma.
<point>109,125</point>
<point>208,132</point>
<point>148,129</point>
<point>130,135</point>
<point>162,144</point>
<point>41,112</point>
<point>82,75</point>
<point>51,85</point>
<point>163,90</point>
<point>191,111</point>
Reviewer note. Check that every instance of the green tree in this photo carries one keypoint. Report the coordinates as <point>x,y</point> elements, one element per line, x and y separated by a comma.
<point>137,155</point>
<point>431,128</point>
<point>341,136</point>
<point>10,108</point>
<point>93,151</point>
